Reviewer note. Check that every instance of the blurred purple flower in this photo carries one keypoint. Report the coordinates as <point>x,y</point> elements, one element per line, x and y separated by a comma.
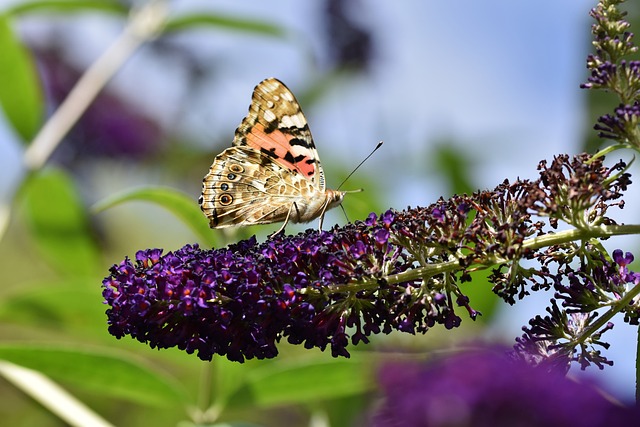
<point>350,45</point>
<point>110,127</point>
<point>484,388</point>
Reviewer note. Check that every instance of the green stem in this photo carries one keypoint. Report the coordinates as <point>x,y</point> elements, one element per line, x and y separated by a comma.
<point>430,270</point>
<point>602,320</point>
<point>204,392</point>
<point>581,234</point>
<point>534,243</point>
<point>638,368</point>
<point>608,149</point>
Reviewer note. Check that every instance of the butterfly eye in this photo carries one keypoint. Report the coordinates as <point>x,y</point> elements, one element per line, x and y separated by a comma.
<point>236,168</point>
<point>226,200</point>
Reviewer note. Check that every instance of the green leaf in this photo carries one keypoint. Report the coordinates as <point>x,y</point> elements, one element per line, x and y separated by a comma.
<point>187,22</point>
<point>20,91</point>
<point>178,203</point>
<point>67,6</point>
<point>638,366</point>
<point>304,382</point>
<point>59,224</point>
<point>347,411</point>
<point>483,301</point>
<point>69,307</point>
<point>455,167</point>
<point>98,371</point>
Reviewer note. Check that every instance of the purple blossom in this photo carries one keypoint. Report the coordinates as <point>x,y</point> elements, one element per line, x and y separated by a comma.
<point>623,122</point>
<point>483,388</point>
<point>239,301</point>
<point>620,260</point>
<point>564,334</point>
<point>611,70</point>
<point>601,74</point>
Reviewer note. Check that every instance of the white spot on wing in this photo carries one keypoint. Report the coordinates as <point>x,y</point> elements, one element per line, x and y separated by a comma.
<point>296,120</point>
<point>287,96</point>
<point>269,116</point>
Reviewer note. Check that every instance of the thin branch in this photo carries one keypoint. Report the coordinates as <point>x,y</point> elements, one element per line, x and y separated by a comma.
<point>143,25</point>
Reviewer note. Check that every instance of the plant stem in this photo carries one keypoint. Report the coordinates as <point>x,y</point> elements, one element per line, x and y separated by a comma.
<point>142,26</point>
<point>623,302</point>
<point>534,243</point>
<point>638,368</point>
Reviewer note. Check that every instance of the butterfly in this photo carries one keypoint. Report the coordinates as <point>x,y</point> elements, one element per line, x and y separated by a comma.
<point>272,172</point>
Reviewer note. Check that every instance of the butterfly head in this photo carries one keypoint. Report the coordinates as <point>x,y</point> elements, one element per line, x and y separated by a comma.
<point>334,198</point>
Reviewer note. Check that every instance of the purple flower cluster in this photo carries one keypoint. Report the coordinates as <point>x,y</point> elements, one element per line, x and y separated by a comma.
<point>604,74</point>
<point>602,284</point>
<point>610,71</point>
<point>483,388</point>
<point>316,289</point>
<point>568,334</point>
<point>577,191</point>
<point>623,122</point>
<point>610,36</point>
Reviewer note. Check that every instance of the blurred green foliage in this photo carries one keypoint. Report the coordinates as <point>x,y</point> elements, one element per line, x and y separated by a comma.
<point>20,92</point>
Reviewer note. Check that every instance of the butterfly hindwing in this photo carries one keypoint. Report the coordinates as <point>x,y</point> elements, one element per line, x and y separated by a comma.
<point>246,187</point>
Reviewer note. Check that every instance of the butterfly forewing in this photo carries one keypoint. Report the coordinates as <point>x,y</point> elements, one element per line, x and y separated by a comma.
<point>277,127</point>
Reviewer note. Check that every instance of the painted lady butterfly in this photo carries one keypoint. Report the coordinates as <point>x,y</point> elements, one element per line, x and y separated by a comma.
<point>272,172</point>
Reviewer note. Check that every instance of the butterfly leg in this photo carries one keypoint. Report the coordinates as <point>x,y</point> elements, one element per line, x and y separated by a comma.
<point>324,210</point>
<point>286,221</point>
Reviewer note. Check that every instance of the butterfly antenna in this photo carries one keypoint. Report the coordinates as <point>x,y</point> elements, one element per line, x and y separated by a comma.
<point>360,164</point>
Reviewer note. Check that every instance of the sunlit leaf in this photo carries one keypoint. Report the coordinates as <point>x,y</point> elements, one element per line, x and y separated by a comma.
<point>20,91</point>
<point>97,371</point>
<point>67,6</point>
<point>69,306</point>
<point>347,411</point>
<point>178,203</point>
<point>303,382</point>
<point>58,222</point>
<point>487,303</point>
<point>455,167</point>
<point>186,22</point>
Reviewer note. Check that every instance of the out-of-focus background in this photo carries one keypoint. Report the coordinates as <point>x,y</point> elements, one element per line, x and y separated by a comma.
<point>463,93</point>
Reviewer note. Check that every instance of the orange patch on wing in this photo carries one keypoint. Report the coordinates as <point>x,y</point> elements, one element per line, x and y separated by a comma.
<point>277,142</point>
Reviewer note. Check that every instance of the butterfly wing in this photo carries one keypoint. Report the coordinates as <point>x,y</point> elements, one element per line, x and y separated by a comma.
<point>245,187</point>
<point>272,173</point>
<point>276,126</point>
